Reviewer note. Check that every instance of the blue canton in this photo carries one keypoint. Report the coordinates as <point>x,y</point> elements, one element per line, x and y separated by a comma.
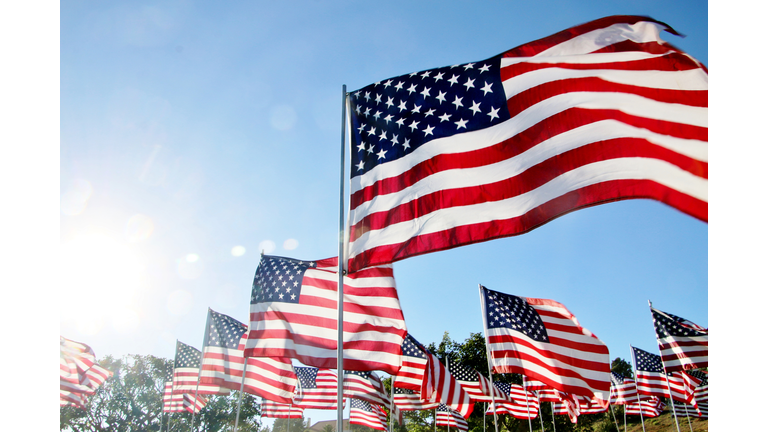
<point>224,331</point>
<point>514,313</point>
<point>279,279</point>
<point>186,356</point>
<point>667,324</point>
<point>307,376</point>
<point>411,347</point>
<point>393,118</point>
<point>645,361</point>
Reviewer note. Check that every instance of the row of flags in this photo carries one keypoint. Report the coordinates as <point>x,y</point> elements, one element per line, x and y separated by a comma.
<point>80,374</point>
<point>450,156</point>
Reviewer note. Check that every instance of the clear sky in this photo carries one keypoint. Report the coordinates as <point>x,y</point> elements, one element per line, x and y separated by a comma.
<point>194,135</point>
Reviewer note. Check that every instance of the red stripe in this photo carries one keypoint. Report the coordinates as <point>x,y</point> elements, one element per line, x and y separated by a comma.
<point>586,197</point>
<point>532,48</point>
<point>564,121</point>
<point>297,319</point>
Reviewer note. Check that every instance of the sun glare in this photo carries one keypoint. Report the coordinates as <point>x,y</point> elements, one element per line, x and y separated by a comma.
<point>101,277</point>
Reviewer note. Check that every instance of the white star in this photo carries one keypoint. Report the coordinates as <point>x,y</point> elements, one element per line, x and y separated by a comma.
<point>469,66</point>
<point>486,89</point>
<point>388,83</point>
<point>372,131</point>
<point>367,96</point>
<point>413,125</point>
<point>441,97</point>
<point>429,113</point>
<point>406,144</point>
<point>367,111</point>
<point>439,76</point>
<point>425,74</point>
<point>485,68</point>
<point>454,80</point>
<point>469,84</point>
<point>361,146</point>
<point>381,154</point>
<point>425,92</point>
<point>388,118</point>
<point>428,130</point>
<point>370,149</point>
<point>457,102</point>
<point>412,88</point>
<point>400,122</point>
<point>399,85</point>
<point>402,106</point>
<point>416,109</point>
<point>383,135</point>
<point>377,114</point>
<point>394,140</point>
<point>475,108</point>
<point>445,117</point>
<point>461,124</point>
<point>389,102</point>
<point>494,113</point>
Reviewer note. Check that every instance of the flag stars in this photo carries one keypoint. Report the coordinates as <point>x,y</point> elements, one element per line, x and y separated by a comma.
<point>412,89</point>
<point>486,89</point>
<point>469,84</point>
<point>475,108</point>
<point>454,80</point>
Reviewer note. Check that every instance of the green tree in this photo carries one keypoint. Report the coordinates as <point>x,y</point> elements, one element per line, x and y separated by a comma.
<point>289,425</point>
<point>131,400</point>
<point>622,367</point>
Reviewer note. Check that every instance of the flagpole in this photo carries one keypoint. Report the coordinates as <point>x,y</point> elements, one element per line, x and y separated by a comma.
<point>391,401</point>
<point>639,405</point>
<point>687,415</point>
<point>488,356</point>
<point>527,406</point>
<point>664,371</point>
<point>552,407</point>
<point>200,368</point>
<point>541,418</point>
<point>170,402</point>
<point>340,301</point>
<point>240,399</point>
<point>614,416</point>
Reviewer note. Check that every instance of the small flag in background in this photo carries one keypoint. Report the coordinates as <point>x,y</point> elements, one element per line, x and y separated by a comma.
<point>186,369</point>
<point>294,314</point>
<point>683,345</point>
<point>445,416</point>
<point>271,409</point>
<point>365,386</point>
<point>650,408</point>
<point>476,385</point>
<point>519,403</point>
<point>542,340</point>
<point>318,388</point>
<point>364,413</point>
<point>79,372</point>
<point>652,381</point>
<point>411,374</point>
<point>440,386</point>
<point>623,390</point>
<point>411,400</point>
<point>269,378</point>
<point>455,155</point>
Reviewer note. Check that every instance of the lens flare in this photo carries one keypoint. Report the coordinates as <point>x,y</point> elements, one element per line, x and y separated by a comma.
<point>238,251</point>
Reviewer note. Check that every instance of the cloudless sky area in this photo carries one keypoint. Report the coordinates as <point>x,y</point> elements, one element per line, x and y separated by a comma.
<point>194,135</point>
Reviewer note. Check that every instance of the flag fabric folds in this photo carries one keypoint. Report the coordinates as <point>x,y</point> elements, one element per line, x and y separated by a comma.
<point>411,400</point>
<point>440,386</point>
<point>271,409</point>
<point>450,156</point>
<point>317,388</point>
<point>77,400</point>
<point>364,413</point>
<point>186,371</point>
<point>623,390</point>
<point>294,314</point>
<point>445,416</point>
<point>647,408</point>
<point>519,403</point>
<point>683,345</point>
<point>365,386</point>
<point>180,402</point>
<point>542,340</point>
<point>475,384</point>
<point>79,372</point>
<point>223,363</point>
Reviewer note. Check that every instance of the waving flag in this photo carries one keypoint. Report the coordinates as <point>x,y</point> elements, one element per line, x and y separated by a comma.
<point>600,112</point>
<point>542,340</point>
<point>440,386</point>
<point>365,386</point>
<point>476,385</point>
<point>519,403</point>
<point>269,378</point>
<point>317,388</point>
<point>411,400</point>
<point>411,374</point>
<point>271,409</point>
<point>186,371</point>
<point>364,413</point>
<point>683,345</point>
<point>653,381</point>
<point>623,390</point>
<point>294,314</point>
<point>649,408</point>
<point>445,416</point>
<point>180,402</point>
<point>77,400</point>
<point>75,359</point>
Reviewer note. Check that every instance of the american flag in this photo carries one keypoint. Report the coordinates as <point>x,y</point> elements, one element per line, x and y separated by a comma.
<point>683,345</point>
<point>701,392</point>
<point>77,400</point>
<point>652,381</point>
<point>542,340</point>
<point>318,388</point>
<point>411,374</point>
<point>271,409</point>
<point>440,386</point>
<point>475,384</point>
<point>269,378</point>
<point>180,402</point>
<point>294,314</point>
<point>364,413</point>
<point>186,370</point>
<point>75,359</point>
<point>649,408</point>
<point>365,386</point>
<point>445,416</point>
<point>600,112</point>
<point>411,400</point>
<point>623,390</point>
<point>520,404</point>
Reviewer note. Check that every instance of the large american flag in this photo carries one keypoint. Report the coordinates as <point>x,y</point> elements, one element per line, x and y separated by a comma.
<point>683,345</point>
<point>461,154</point>
<point>318,388</point>
<point>477,386</point>
<point>411,400</point>
<point>186,371</point>
<point>653,381</point>
<point>269,378</point>
<point>542,340</point>
<point>364,413</point>
<point>366,386</point>
<point>271,409</point>
<point>519,403</point>
<point>294,314</point>
<point>440,386</point>
<point>411,374</point>
<point>445,416</point>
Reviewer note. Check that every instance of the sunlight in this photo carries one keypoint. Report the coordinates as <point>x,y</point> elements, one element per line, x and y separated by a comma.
<point>101,275</point>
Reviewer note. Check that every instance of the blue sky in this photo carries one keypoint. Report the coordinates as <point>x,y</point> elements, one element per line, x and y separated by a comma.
<point>194,135</point>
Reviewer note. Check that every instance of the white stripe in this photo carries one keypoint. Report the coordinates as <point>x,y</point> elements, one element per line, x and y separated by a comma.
<point>640,32</point>
<point>616,169</point>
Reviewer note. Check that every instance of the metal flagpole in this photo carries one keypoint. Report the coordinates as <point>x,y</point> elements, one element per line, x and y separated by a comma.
<point>625,415</point>
<point>527,406</point>
<point>200,368</point>
<point>484,411</point>
<point>687,415</point>
<point>435,419</point>
<point>541,418</point>
<point>391,402</point>
<point>554,426</point>
<point>240,399</point>
<point>488,356</point>
<point>340,300</point>
<point>639,405</point>
<point>614,417</point>
<point>666,378</point>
